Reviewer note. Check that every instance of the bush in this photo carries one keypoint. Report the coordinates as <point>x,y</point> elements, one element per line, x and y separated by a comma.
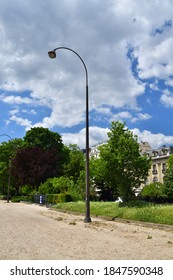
<point>15,199</point>
<point>56,185</point>
<point>46,187</point>
<point>21,198</point>
<point>58,198</point>
<point>3,197</point>
<point>26,190</point>
<point>63,185</point>
<point>154,192</point>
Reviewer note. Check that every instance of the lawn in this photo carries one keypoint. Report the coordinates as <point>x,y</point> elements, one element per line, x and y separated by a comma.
<point>146,212</point>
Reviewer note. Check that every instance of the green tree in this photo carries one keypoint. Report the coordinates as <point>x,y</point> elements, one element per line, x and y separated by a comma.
<point>125,168</point>
<point>8,151</point>
<point>43,138</point>
<point>48,140</point>
<point>168,179</point>
<point>101,180</point>
<point>75,164</point>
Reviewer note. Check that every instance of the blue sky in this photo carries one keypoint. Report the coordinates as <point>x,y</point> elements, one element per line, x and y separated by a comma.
<point>127,47</point>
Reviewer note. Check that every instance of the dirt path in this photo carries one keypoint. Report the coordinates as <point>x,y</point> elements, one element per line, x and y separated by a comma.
<point>31,232</point>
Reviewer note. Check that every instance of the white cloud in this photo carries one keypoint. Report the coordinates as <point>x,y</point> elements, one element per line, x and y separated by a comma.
<point>99,135</point>
<point>103,110</point>
<point>31,112</point>
<point>167,100</point>
<point>102,33</point>
<point>125,115</point>
<point>141,117</point>
<point>14,111</point>
<point>22,122</point>
<point>169,82</point>
<point>154,60</point>
<point>96,135</point>
<point>122,116</point>
<point>16,100</point>
<point>155,140</point>
<point>60,84</point>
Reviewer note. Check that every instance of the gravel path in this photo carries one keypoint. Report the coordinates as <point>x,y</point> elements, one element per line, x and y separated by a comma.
<point>31,232</point>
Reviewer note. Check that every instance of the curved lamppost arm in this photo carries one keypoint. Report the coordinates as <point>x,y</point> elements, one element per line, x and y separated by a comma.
<point>6,135</point>
<point>9,176</point>
<point>52,54</point>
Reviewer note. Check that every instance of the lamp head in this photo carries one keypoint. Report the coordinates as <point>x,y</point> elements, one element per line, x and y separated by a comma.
<point>52,54</point>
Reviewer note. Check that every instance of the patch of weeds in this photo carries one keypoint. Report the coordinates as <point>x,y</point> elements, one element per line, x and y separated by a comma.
<point>149,237</point>
<point>170,242</point>
<point>72,223</point>
<point>59,219</point>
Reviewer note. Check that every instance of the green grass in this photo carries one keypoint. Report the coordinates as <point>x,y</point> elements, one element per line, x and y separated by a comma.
<point>146,212</point>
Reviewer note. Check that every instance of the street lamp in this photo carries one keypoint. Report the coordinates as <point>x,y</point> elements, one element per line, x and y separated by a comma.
<point>9,175</point>
<point>52,54</point>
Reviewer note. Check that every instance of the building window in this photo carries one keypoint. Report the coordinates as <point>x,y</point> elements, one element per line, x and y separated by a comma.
<point>154,169</point>
<point>163,167</point>
<point>155,179</point>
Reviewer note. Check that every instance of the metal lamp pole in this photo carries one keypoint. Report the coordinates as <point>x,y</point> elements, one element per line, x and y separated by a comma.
<point>52,54</point>
<point>9,175</point>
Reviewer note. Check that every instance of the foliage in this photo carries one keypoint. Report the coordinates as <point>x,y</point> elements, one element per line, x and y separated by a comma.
<point>7,153</point>
<point>169,163</point>
<point>58,198</point>
<point>48,141</point>
<point>27,190</point>
<point>33,165</point>
<point>43,138</point>
<point>3,197</point>
<point>4,174</point>
<point>154,192</point>
<point>20,198</point>
<point>101,180</point>
<point>168,179</point>
<point>15,199</point>
<point>64,184</point>
<point>121,165</point>
<point>75,164</point>
<point>55,185</point>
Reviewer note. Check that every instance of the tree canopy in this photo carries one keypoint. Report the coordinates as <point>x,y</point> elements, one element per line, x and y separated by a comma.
<point>168,178</point>
<point>33,165</point>
<point>121,164</point>
<point>43,138</point>
<point>75,163</point>
<point>8,151</point>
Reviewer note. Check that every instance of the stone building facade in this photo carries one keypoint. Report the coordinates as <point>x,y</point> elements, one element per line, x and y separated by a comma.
<point>158,158</point>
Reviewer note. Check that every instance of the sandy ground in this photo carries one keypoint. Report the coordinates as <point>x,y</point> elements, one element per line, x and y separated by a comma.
<point>32,232</point>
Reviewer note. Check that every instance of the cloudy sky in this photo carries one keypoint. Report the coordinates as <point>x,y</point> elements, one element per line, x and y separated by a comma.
<point>127,46</point>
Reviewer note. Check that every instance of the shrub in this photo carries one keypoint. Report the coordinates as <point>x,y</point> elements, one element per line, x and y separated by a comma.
<point>27,190</point>
<point>56,185</point>
<point>46,187</point>
<point>154,192</point>
<point>21,198</point>
<point>15,199</point>
<point>3,197</point>
<point>58,198</point>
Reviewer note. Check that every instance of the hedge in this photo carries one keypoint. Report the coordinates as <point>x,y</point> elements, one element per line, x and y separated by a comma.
<point>58,198</point>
